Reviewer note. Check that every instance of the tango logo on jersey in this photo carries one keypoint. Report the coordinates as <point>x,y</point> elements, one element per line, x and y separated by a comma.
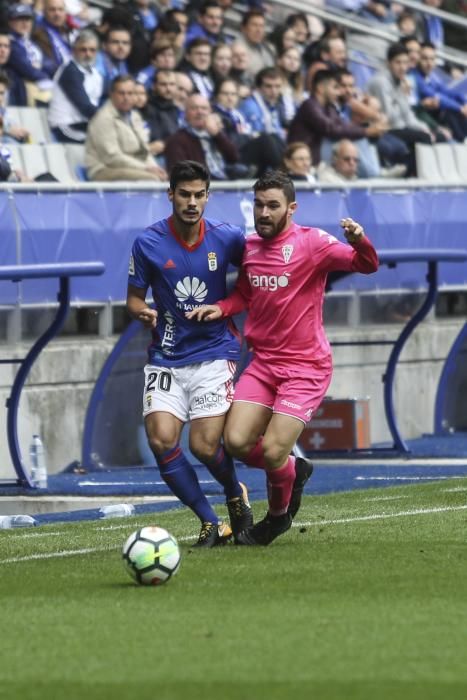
<point>212,262</point>
<point>287,251</point>
<point>191,287</point>
<point>269,282</point>
<point>131,266</point>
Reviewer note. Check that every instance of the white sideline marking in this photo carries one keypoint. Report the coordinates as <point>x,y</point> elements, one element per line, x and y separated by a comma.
<point>185,538</point>
<point>53,555</point>
<point>384,498</point>
<point>382,516</point>
<point>406,478</point>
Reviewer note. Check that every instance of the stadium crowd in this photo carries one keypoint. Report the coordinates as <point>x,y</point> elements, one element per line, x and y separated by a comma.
<point>146,83</point>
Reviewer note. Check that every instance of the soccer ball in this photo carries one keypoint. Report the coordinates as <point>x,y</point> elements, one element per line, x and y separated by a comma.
<point>151,556</point>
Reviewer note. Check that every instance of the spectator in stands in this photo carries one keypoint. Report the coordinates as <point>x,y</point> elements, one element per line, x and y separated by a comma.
<point>344,164</point>
<point>281,38</point>
<point>253,36</point>
<point>447,106</point>
<point>16,89</point>
<point>332,55</point>
<point>389,87</point>
<point>298,21</point>
<point>163,56</point>
<point>240,71</point>
<point>184,88</point>
<point>116,147</point>
<point>11,132</point>
<point>162,114</point>
<point>77,91</point>
<point>406,24</point>
<point>169,31</point>
<point>221,62</point>
<point>293,83</point>
<point>430,27</point>
<point>319,124</point>
<point>264,109</point>
<point>197,65</point>
<point>365,110</point>
<point>298,163</point>
<point>203,140</point>
<point>260,152</point>
<point>27,61</point>
<point>112,59</point>
<point>54,33</point>
<point>209,24</point>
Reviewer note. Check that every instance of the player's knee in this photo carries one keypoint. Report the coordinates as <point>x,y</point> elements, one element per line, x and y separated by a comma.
<point>235,444</point>
<point>161,443</point>
<point>274,456</point>
<point>204,450</point>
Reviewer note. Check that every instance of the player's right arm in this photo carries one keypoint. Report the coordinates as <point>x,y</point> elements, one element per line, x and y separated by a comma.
<point>138,308</point>
<point>235,303</point>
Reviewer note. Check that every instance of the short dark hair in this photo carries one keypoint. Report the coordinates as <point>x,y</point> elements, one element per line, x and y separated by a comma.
<point>322,76</point>
<point>396,50</point>
<point>188,170</point>
<point>269,73</point>
<point>276,179</point>
<point>249,15</point>
<point>126,78</point>
<point>207,5</point>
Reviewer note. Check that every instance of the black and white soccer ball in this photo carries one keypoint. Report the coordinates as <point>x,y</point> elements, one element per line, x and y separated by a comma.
<point>151,556</point>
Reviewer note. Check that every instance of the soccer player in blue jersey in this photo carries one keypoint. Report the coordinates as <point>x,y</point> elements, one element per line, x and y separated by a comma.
<point>184,259</point>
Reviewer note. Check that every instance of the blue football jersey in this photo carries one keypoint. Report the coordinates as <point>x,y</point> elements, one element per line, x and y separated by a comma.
<point>182,278</point>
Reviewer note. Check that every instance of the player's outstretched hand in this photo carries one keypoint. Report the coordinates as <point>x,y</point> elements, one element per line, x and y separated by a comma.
<point>148,318</point>
<point>208,312</point>
<point>352,230</point>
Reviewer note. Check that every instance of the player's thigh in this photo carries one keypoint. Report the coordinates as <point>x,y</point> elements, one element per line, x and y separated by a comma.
<point>205,436</point>
<point>280,437</point>
<point>245,424</point>
<point>163,430</point>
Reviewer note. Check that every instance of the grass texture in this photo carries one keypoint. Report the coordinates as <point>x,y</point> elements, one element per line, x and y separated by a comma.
<point>365,598</point>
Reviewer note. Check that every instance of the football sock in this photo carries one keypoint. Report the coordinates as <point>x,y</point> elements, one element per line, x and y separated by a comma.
<point>280,484</point>
<point>255,458</point>
<point>180,477</point>
<point>223,470</point>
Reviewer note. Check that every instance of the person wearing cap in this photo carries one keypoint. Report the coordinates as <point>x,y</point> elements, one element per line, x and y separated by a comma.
<point>27,60</point>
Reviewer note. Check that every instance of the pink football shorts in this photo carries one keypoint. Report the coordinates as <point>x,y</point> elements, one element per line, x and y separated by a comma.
<point>295,390</point>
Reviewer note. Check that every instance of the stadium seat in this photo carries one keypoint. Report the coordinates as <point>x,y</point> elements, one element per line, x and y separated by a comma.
<point>75,157</point>
<point>58,163</point>
<point>427,162</point>
<point>34,160</point>
<point>460,154</point>
<point>35,121</point>
<point>447,165</point>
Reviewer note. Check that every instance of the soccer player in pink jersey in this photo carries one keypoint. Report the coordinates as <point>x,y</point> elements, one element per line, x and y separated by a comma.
<point>281,284</point>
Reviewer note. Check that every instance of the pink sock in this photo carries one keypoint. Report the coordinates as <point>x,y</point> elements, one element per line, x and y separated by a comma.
<point>280,484</point>
<point>255,458</point>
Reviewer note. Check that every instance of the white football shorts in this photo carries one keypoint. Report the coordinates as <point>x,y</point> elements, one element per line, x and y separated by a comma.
<point>200,390</point>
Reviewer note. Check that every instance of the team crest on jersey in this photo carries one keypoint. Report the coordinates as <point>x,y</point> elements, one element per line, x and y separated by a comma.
<point>131,266</point>
<point>212,262</point>
<point>287,251</point>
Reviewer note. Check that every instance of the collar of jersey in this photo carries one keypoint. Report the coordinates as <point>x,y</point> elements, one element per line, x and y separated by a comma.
<point>181,241</point>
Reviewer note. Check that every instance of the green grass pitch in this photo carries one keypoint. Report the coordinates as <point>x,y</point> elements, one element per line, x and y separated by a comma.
<point>368,602</point>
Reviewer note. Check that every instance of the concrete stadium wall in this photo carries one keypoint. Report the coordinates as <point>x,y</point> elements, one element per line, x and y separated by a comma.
<point>55,400</point>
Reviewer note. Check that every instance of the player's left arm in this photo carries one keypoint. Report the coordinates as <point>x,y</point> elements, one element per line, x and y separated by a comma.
<point>365,257</point>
